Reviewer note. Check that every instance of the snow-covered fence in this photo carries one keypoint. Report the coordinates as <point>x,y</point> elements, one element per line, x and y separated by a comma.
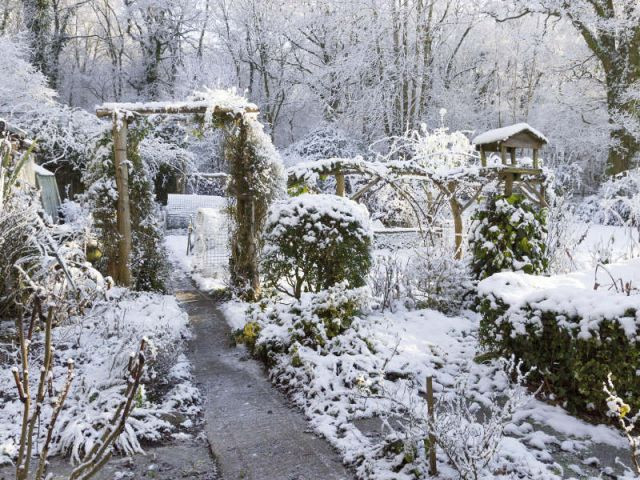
<point>211,242</point>
<point>181,209</point>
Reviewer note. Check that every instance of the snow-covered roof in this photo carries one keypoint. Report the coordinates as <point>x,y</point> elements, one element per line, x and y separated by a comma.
<point>40,170</point>
<point>501,134</point>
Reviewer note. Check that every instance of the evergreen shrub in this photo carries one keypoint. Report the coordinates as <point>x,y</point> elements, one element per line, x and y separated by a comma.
<point>508,234</point>
<point>313,242</point>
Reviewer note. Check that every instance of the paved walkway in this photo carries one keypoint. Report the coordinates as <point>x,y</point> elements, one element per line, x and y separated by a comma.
<point>253,431</point>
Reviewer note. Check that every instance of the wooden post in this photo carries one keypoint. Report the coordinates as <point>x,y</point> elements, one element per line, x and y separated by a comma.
<point>123,206</point>
<point>483,156</point>
<point>433,467</point>
<point>340,184</point>
<point>503,154</point>
<point>456,213</point>
<point>535,158</point>
<point>508,184</point>
<point>513,155</point>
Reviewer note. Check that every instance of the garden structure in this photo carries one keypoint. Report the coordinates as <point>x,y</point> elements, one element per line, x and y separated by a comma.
<point>461,186</point>
<point>30,172</point>
<point>508,140</point>
<point>255,173</point>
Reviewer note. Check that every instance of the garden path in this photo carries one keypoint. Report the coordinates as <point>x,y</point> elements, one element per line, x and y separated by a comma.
<point>254,432</point>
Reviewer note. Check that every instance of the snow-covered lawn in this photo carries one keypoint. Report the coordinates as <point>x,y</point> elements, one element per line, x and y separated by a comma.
<point>100,343</point>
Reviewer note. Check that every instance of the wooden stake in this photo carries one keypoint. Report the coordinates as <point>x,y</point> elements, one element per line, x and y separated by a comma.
<point>123,208</point>
<point>340,184</point>
<point>433,467</point>
<point>508,184</point>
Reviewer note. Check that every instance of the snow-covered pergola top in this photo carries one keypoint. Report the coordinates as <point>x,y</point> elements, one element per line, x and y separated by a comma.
<point>214,101</point>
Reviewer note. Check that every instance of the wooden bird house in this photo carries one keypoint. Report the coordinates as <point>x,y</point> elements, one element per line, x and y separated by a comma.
<point>507,140</point>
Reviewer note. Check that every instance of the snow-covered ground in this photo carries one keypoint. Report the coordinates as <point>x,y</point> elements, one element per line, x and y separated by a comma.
<point>100,343</point>
<point>359,416</point>
<point>542,441</point>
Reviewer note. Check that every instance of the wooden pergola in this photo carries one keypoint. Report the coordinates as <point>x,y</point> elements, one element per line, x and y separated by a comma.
<point>530,179</point>
<point>121,114</point>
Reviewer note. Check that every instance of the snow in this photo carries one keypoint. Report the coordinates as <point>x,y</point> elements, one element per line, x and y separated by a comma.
<point>501,134</point>
<point>177,249</point>
<point>40,170</point>
<point>416,344</point>
<point>100,343</point>
<point>571,294</point>
<point>220,100</point>
<point>291,211</point>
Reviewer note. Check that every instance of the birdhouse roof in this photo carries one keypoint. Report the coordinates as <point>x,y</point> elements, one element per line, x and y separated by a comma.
<point>519,135</point>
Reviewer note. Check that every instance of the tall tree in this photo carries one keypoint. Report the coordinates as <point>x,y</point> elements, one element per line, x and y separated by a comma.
<point>611,30</point>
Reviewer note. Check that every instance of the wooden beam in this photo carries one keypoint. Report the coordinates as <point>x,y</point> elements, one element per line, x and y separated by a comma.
<point>483,156</point>
<point>535,158</point>
<point>156,108</point>
<point>512,151</point>
<point>123,205</point>
<point>365,189</point>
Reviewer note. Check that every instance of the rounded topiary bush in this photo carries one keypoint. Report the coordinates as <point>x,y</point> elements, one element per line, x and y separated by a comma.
<point>509,234</point>
<point>313,242</point>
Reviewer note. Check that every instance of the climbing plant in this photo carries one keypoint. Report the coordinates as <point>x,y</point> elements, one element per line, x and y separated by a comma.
<point>508,234</point>
<point>256,180</point>
<point>148,260</point>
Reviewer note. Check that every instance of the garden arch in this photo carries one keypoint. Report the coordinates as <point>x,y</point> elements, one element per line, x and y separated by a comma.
<point>256,177</point>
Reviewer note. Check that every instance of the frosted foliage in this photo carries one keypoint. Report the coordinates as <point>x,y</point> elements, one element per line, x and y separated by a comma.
<point>100,342</point>
<point>620,199</point>
<point>441,149</point>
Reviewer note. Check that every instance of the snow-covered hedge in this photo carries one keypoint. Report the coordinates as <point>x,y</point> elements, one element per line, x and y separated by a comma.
<point>572,328</point>
<point>313,242</point>
<point>509,234</point>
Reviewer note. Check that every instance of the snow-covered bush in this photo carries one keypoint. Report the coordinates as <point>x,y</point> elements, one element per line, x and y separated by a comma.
<point>620,200</point>
<point>101,342</point>
<point>426,278</point>
<point>314,321</point>
<point>470,433</point>
<point>574,332</point>
<point>149,266</point>
<point>313,242</point>
<point>508,234</point>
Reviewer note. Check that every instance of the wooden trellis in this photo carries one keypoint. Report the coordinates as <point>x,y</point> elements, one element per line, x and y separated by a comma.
<point>530,179</point>
<point>122,114</point>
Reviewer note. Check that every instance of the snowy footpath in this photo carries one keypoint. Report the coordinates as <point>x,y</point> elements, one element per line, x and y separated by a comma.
<point>254,432</point>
